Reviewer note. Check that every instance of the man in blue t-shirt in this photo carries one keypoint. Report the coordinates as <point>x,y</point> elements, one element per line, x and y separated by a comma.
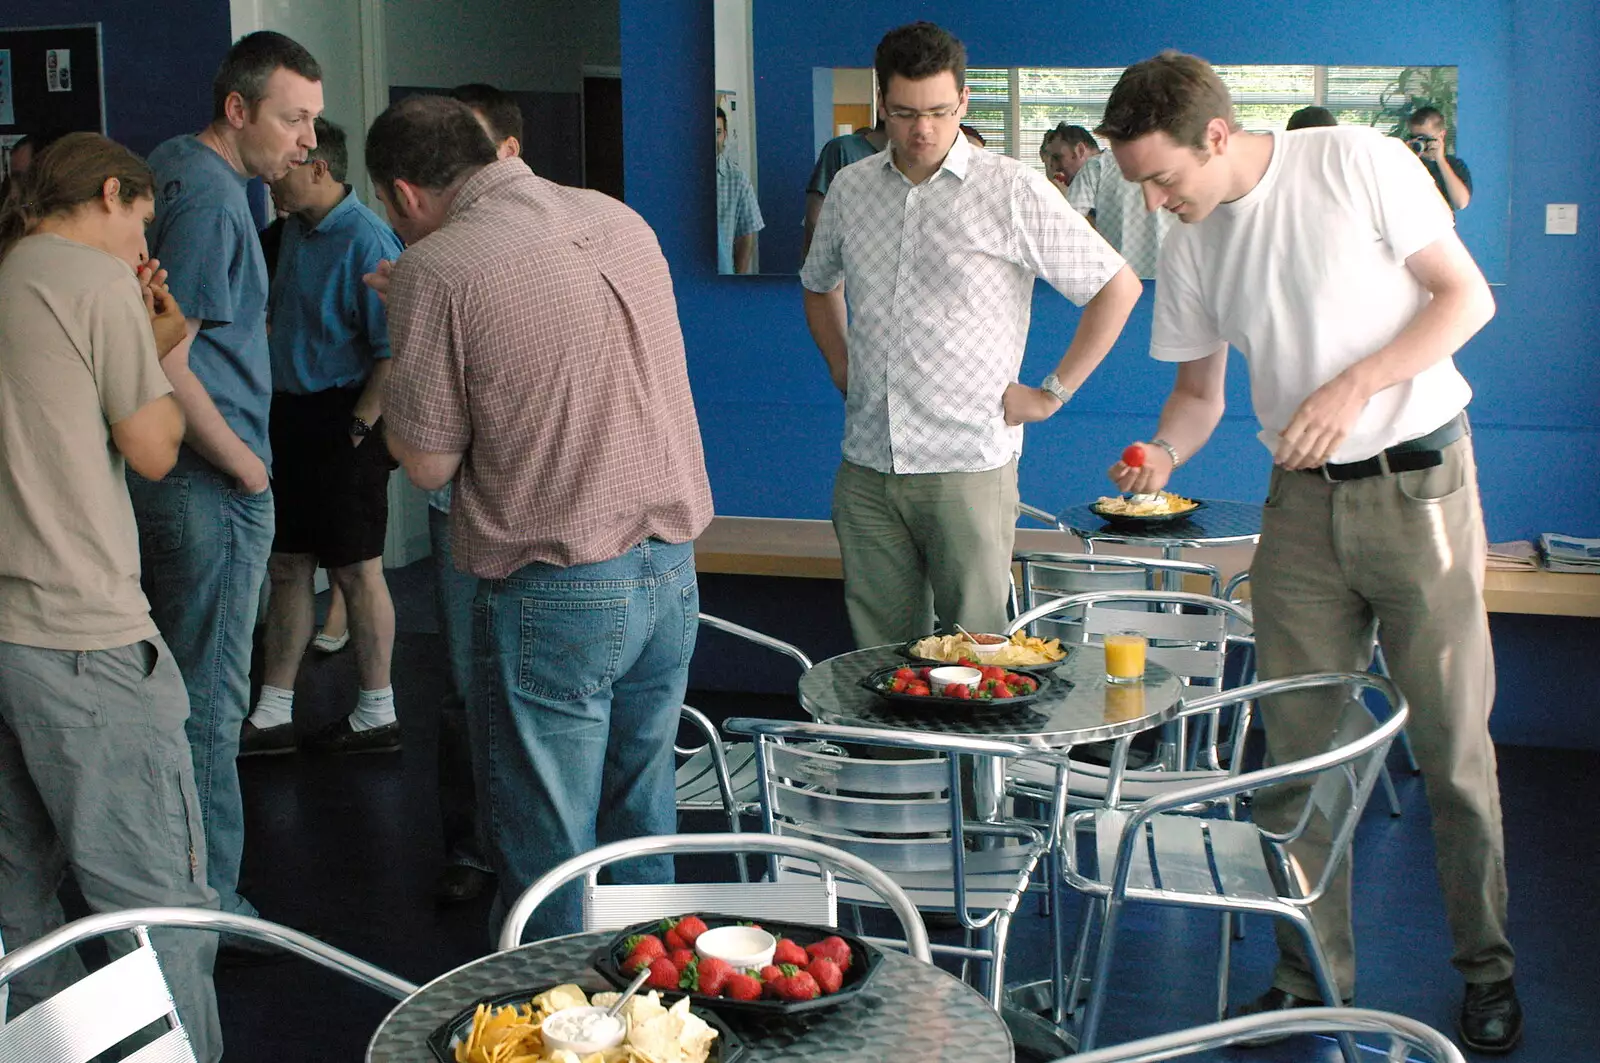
<point>205,530</point>
<point>329,341</point>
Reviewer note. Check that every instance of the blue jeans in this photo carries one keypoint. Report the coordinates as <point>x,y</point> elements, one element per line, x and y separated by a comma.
<point>581,673</point>
<point>460,738</point>
<point>204,547</point>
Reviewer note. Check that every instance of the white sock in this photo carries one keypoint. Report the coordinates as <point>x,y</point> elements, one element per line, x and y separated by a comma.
<point>374,708</point>
<point>274,708</point>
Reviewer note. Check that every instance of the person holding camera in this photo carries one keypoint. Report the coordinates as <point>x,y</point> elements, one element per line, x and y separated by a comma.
<point>1427,139</point>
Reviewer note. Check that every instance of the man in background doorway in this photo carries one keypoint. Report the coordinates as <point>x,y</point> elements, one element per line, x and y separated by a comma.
<point>1117,209</point>
<point>835,155</point>
<point>738,214</point>
<point>1428,137</point>
<point>1065,150</point>
<point>1310,118</point>
<point>329,342</point>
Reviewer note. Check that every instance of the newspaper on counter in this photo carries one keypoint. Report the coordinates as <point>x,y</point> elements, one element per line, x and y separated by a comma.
<point>1569,553</point>
<point>1519,555</point>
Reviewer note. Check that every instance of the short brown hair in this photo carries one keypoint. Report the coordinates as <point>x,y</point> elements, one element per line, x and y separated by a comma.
<point>70,172</point>
<point>917,51</point>
<point>250,64</point>
<point>427,141</point>
<point>1173,93</point>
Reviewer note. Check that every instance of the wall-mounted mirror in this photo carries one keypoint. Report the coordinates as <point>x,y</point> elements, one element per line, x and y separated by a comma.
<point>798,123</point>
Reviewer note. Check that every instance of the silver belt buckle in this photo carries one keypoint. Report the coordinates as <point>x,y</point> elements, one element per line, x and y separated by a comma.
<point>1323,469</point>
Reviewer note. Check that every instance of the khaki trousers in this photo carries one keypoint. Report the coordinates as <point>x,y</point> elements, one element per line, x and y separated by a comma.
<point>1404,551</point>
<point>924,544</point>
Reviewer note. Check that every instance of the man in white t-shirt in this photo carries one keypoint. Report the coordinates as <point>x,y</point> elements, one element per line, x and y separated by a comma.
<point>1330,261</point>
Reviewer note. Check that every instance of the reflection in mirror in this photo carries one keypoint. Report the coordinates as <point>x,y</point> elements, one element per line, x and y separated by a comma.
<point>738,214</point>
<point>1044,116</point>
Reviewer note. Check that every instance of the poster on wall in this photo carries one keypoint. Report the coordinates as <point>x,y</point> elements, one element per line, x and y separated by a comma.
<point>8,113</point>
<point>51,80</point>
<point>58,69</point>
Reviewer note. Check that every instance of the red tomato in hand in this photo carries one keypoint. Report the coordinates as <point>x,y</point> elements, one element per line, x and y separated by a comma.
<point>1133,457</point>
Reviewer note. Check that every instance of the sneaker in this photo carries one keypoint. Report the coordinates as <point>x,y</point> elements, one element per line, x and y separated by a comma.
<point>340,737</point>
<point>325,643</point>
<point>266,741</point>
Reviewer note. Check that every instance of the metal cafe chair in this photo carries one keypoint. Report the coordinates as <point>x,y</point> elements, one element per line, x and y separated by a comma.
<point>611,907</point>
<point>130,993</point>
<point>1231,592</point>
<point>1047,575</point>
<point>1152,856</point>
<point>903,816</point>
<point>1193,645</point>
<point>1401,1036</point>
<point>718,776</point>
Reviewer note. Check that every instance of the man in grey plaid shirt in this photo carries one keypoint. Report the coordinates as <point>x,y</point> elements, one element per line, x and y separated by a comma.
<point>938,245</point>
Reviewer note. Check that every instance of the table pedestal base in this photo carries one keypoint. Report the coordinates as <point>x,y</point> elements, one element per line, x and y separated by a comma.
<point>1027,1014</point>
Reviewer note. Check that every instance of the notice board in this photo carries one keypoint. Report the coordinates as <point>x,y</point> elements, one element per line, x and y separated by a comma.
<point>51,82</point>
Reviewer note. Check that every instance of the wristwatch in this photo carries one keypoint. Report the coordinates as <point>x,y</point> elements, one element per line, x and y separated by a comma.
<point>1053,385</point>
<point>358,427</point>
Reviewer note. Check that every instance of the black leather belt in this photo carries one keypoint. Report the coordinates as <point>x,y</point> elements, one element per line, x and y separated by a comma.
<point>1422,453</point>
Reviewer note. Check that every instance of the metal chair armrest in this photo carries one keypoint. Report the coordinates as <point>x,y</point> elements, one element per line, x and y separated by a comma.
<point>287,938</point>
<point>788,649</point>
<point>942,743</point>
<point>1408,1031</point>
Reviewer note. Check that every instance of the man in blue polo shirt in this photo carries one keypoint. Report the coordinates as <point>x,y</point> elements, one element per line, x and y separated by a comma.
<point>206,529</point>
<point>330,358</point>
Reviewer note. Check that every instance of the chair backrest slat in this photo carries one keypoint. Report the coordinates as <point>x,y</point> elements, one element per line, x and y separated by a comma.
<point>171,1047</point>
<point>1185,627</point>
<point>611,907</point>
<point>94,1013</point>
<point>895,855</point>
<point>830,771</point>
<point>839,812</point>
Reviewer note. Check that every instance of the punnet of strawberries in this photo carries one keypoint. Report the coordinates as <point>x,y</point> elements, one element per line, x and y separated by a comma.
<point>996,684</point>
<point>796,973</point>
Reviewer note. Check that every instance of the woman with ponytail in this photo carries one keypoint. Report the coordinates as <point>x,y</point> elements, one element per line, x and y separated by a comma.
<point>95,769</point>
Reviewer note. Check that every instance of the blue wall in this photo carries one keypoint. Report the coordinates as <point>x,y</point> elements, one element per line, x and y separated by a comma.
<point>772,422</point>
<point>159,59</point>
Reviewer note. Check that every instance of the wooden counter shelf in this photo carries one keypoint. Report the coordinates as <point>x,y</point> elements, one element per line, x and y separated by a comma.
<point>807,549</point>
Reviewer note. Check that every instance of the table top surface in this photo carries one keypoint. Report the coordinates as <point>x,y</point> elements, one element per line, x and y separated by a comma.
<point>1079,707</point>
<point>1218,524</point>
<point>909,1011</point>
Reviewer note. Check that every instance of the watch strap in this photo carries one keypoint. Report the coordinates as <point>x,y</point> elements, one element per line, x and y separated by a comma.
<point>1053,385</point>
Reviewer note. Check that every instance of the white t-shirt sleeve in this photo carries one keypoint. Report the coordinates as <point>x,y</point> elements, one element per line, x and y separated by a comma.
<point>1183,327</point>
<point>1408,210</point>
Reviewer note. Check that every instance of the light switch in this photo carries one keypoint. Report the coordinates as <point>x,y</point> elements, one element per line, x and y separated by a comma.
<point>1561,219</point>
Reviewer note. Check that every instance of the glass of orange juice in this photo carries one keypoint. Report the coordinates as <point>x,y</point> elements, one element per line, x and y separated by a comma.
<point>1124,657</point>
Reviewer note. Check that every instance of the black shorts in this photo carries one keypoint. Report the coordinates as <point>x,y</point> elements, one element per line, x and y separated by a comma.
<point>331,498</point>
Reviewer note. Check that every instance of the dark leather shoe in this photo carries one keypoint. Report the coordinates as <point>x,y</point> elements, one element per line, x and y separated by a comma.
<point>1274,999</point>
<point>460,883</point>
<point>340,737</point>
<point>1491,1017</point>
<point>266,741</point>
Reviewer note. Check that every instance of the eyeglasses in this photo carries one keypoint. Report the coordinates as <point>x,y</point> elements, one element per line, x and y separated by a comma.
<point>938,114</point>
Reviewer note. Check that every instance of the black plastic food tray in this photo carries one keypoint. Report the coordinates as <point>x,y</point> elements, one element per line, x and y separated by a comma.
<point>864,963</point>
<point>877,681</point>
<point>1124,520</point>
<point>727,1048</point>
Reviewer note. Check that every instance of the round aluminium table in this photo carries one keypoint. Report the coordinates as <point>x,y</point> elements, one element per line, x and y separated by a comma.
<point>1081,708</point>
<point>910,1011</point>
<point>1220,523</point>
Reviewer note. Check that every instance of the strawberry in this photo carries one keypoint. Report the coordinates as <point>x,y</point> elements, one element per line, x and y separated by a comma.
<point>959,691</point>
<point>689,928</point>
<point>689,975</point>
<point>675,941</point>
<point>834,948</point>
<point>905,673</point>
<point>640,957</point>
<point>1002,691</point>
<point>788,952</point>
<point>898,685</point>
<point>714,974</point>
<point>919,689</point>
<point>827,974</point>
<point>663,975</point>
<point>924,673</point>
<point>681,958</point>
<point>1133,457</point>
<point>992,672</point>
<point>742,986</point>
<point>798,986</point>
<point>771,975</point>
<point>648,942</point>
